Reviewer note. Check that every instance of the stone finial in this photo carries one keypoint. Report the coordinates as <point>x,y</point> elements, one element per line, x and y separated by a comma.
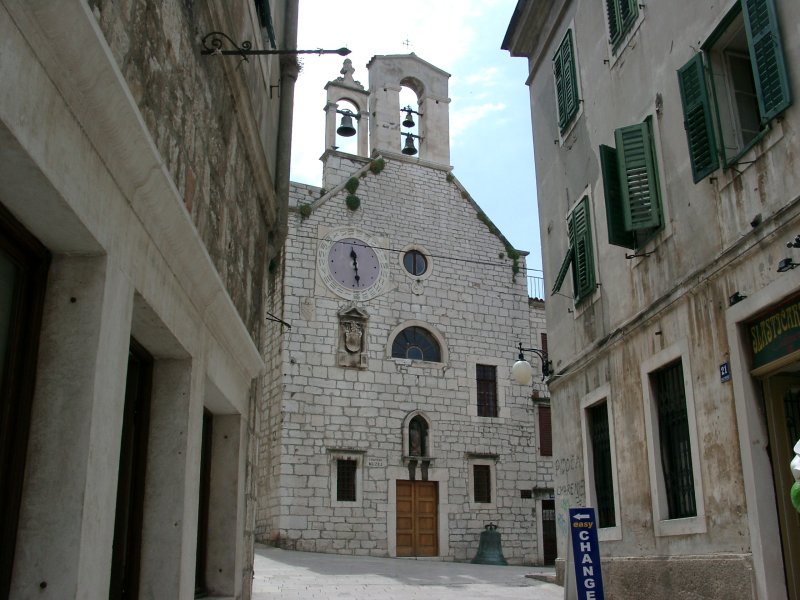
<point>347,72</point>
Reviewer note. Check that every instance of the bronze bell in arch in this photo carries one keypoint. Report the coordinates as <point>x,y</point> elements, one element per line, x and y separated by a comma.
<point>346,129</point>
<point>409,120</point>
<point>409,148</point>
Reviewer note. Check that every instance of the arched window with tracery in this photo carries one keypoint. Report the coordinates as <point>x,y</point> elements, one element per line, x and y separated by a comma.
<point>416,343</point>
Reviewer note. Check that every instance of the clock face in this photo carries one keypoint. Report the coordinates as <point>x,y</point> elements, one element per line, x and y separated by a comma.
<point>353,264</point>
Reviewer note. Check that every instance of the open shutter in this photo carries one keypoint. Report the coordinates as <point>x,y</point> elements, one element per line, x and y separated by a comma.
<point>766,54</point>
<point>612,13</point>
<point>615,206</point>
<point>628,11</point>
<point>580,230</point>
<point>562,272</point>
<point>697,118</point>
<point>638,177</point>
<point>566,81</point>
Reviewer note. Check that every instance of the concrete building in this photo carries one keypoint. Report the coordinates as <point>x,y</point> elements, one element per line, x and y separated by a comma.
<point>666,157</point>
<point>143,192</point>
<point>396,430</point>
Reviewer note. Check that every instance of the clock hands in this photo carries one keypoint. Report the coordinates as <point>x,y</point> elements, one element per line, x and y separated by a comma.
<point>354,256</point>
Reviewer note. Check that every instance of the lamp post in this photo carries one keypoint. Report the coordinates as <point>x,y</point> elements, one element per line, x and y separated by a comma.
<point>522,371</point>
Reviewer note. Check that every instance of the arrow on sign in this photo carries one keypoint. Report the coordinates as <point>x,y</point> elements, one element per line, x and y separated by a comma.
<point>581,516</point>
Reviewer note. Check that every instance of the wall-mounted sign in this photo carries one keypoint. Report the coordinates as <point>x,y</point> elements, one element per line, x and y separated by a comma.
<point>586,554</point>
<point>376,462</point>
<point>776,333</point>
<point>725,372</point>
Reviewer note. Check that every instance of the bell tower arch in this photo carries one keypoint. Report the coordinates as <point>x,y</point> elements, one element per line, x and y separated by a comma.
<point>348,89</point>
<point>387,75</point>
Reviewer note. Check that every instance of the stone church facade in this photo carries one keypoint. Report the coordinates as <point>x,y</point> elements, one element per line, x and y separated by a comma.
<point>396,429</point>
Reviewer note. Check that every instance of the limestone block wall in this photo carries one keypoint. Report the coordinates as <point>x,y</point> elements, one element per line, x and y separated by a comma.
<point>473,302</point>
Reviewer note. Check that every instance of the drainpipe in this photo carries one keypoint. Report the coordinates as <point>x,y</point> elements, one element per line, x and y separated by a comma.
<point>289,73</point>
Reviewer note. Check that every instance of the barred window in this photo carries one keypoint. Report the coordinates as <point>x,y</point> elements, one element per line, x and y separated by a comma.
<point>486,377</point>
<point>675,445</point>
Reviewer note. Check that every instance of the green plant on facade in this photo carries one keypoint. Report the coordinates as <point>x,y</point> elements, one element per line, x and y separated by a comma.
<point>511,253</point>
<point>353,202</point>
<point>322,192</point>
<point>305,211</point>
<point>352,185</point>
<point>377,165</point>
<point>450,177</point>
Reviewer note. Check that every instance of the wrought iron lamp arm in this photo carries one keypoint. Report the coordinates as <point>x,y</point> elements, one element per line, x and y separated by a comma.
<point>213,44</point>
<point>542,354</point>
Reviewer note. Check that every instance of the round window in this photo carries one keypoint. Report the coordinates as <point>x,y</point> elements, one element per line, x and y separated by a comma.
<point>415,262</point>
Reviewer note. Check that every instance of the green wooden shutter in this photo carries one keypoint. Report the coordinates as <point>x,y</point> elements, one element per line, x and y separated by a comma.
<point>638,177</point>
<point>566,82</point>
<point>615,206</point>
<point>766,54</point>
<point>612,14</point>
<point>697,118</point>
<point>562,272</point>
<point>628,11</point>
<point>580,230</point>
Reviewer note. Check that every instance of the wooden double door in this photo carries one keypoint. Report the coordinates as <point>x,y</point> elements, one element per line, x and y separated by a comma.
<point>417,518</point>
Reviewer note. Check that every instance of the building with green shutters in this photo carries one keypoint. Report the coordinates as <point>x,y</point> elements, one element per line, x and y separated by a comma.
<point>669,201</point>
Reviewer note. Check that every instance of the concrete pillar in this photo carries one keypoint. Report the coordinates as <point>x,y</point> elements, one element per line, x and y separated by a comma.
<point>169,528</point>
<point>66,526</point>
<point>434,129</point>
<point>226,505</point>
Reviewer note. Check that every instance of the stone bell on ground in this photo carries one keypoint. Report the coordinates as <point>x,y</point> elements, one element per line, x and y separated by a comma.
<point>489,549</point>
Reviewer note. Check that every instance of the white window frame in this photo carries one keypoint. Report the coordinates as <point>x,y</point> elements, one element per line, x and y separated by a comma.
<point>335,456</point>
<point>662,524</point>
<point>492,464</point>
<point>601,394</point>
<point>615,55</point>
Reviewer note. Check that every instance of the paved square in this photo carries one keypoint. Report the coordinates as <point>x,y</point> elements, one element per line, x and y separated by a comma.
<point>306,575</point>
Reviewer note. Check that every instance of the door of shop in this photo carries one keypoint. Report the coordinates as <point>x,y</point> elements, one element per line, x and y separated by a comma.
<point>549,531</point>
<point>417,521</point>
<point>782,407</point>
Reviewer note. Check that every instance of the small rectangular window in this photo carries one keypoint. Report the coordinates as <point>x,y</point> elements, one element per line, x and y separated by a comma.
<point>545,432</point>
<point>482,483</point>
<point>600,440</point>
<point>674,441</point>
<point>526,494</point>
<point>346,480</point>
<point>486,377</point>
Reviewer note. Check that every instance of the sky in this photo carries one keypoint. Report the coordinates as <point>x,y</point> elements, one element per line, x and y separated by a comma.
<point>491,142</point>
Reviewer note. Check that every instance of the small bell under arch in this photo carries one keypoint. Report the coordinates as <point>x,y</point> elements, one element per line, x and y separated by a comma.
<point>409,120</point>
<point>409,148</point>
<point>346,128</point>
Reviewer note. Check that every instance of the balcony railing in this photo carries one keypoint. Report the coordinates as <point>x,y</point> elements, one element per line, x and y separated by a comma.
<point>536,284</point>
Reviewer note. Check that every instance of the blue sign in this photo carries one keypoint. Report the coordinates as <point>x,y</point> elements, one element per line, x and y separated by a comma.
<point>724,372</point>
<point>586,554</point>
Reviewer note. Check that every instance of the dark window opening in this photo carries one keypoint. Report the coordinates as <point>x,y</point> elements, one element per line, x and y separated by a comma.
<point>486,377</point>
<point>545,432</point>
<point>600,440</point>
<point>482,483</point>
<point>526,494</point>
<point>346,480</point>
<point>23,275</point>
<point>201,563</point>
<point>126,552</point>
<point>675,445</point>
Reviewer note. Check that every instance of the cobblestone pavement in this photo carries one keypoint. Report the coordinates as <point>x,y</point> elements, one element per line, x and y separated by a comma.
<point>306,575</point>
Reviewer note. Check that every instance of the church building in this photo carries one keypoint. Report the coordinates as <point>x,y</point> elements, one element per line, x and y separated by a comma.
<point>392,426</point>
